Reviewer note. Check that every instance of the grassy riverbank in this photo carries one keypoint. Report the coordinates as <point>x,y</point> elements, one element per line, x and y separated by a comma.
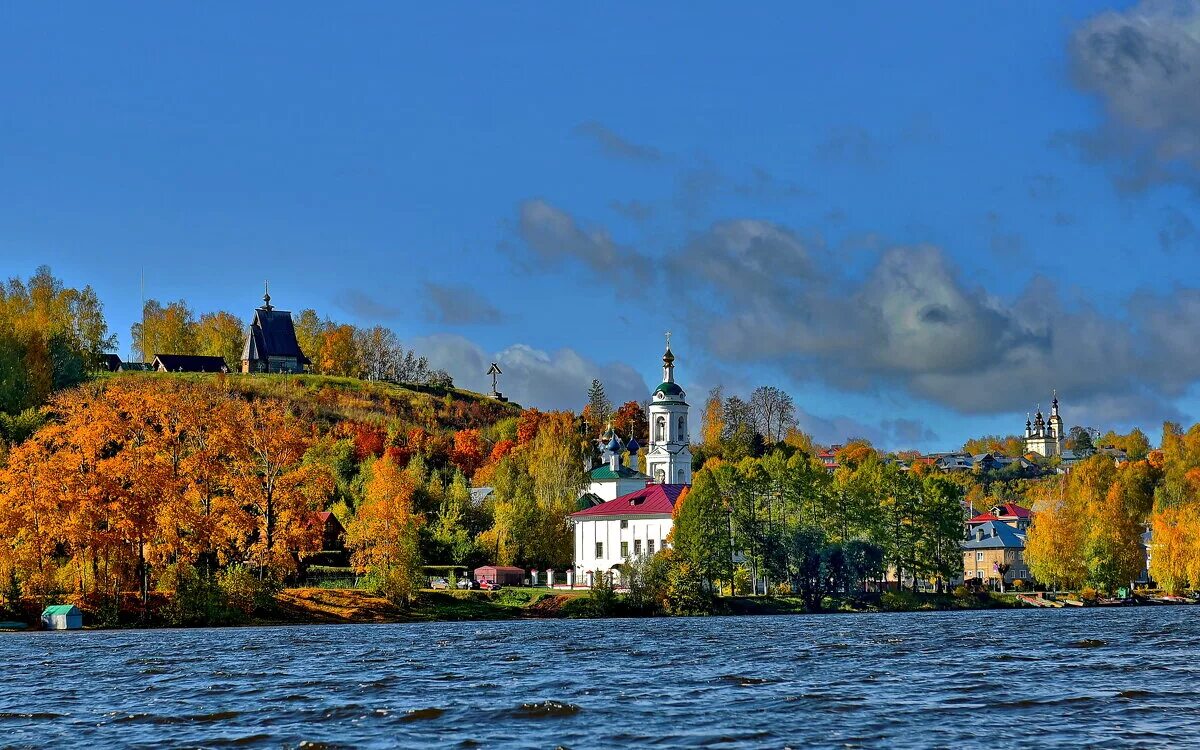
<point>315,606</point>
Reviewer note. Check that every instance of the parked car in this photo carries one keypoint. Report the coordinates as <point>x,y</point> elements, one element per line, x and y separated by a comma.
<point>467,583</point>
<point>490,586</point>
<point>439,583</point>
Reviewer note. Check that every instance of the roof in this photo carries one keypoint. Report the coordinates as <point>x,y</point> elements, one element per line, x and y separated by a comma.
<point>60,609</point>
<point>669,389</point>
<point>272,334</point>
<point>605,472</point>
<point>501,569</point>
<point>996,535</point>
<point>983,517</point>
<point>190,363</point>
<point>588,500</point>
<point>479,494</point>
<point>324,517</point>
<point>652,500</point>
<point>1014,510</point>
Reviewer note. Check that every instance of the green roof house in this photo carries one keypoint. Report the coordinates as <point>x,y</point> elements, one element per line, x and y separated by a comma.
<point>62,617</point>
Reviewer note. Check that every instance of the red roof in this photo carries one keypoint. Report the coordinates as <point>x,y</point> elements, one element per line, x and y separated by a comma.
<point>1014,510</point>
<point>1008,510</point>
<point>983,518</point>
<point>652,500</point>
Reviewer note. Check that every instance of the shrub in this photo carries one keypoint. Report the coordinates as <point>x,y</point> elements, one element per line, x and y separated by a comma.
<point>1018,584</point>
<point>646,577</point>
<point>602,597</point>
<point>686,593</point>
<point>962,592</point>
<point>195,599</point>
<point>245,593</point>
<point>741,582</point>
<point>1089,595</point>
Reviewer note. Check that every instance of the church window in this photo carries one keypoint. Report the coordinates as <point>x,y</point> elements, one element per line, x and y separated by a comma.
<point>660,476</point>
<point>599,549</point>
<point>679,476</point>
<point>682,428</point>
<point>624,549</point>
<point>650,546</point>
<point>637,547</point>
<point>660,430</point>
<point>624,523</point>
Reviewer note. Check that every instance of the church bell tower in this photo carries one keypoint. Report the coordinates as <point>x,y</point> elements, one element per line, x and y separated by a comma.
<point>668,458</point>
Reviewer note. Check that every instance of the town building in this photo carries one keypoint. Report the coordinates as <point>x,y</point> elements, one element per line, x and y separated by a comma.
<point>188,363</point>
<point>271,344</point>
<point>829,459</point>
<point>1045,437</point>
<point>995,551</point>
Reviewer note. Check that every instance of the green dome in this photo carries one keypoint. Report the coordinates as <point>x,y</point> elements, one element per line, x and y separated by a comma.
<point>669,389</point>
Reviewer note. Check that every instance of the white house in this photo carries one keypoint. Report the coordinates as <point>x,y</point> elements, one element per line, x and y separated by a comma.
<point>609,534</point>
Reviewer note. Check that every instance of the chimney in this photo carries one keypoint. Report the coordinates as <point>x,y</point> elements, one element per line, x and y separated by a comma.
<point>979,533</point>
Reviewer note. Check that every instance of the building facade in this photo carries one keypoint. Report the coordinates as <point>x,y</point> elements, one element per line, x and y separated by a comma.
<point>615,532</point>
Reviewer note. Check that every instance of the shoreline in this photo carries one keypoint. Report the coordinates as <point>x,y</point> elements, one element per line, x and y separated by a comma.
<point>329,606</point>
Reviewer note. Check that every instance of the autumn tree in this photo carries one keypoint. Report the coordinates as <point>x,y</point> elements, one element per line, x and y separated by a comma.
<point>630,421</point>
<point>278,492</point>
<point>385,532</point>
<point>712,422</point>
<point>339,353</point>
<point>164,329</point>
<point>221,334</point>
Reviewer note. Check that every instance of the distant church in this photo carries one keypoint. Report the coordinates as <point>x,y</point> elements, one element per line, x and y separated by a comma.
<point>271,344</point>
<point>626,514</point>
<point>1045,437</point>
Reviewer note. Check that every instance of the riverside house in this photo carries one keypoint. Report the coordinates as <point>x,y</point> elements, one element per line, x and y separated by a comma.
<point>995,551</point>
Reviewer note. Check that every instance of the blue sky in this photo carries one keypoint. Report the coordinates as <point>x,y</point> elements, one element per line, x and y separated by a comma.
<point>917,220</point>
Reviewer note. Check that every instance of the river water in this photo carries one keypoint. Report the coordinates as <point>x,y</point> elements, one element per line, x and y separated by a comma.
<point>1020,678</point>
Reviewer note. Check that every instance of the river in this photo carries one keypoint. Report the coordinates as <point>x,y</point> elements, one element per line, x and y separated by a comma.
<point>1018,678</point>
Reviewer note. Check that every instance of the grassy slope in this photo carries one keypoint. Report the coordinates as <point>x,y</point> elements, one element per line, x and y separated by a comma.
<point>336,398</point>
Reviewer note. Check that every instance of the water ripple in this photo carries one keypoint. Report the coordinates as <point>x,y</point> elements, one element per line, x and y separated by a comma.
<point>1111,678</point>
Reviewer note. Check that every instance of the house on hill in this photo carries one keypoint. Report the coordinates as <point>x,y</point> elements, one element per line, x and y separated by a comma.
<point>188,363</point>
<point>271,344</point>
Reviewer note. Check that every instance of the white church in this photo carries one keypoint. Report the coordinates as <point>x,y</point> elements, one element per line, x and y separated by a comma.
<point>1045,437</point>
<point>632,514</point>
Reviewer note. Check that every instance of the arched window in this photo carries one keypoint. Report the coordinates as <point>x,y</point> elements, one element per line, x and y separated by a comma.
<point>660,476</point>
<point>682,428</point>
<point>660,430</point>
<point>679,477</point>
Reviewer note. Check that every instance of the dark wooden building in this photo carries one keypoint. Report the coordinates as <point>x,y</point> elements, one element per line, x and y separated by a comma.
<point>189,363</point>
<point>271,344</point>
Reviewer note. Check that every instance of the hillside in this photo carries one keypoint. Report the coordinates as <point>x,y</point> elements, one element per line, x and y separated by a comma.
<point>327,399</point>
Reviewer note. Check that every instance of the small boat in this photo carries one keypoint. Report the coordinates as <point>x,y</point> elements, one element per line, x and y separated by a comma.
<point>12,625</point>
<point>1072,602</point>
